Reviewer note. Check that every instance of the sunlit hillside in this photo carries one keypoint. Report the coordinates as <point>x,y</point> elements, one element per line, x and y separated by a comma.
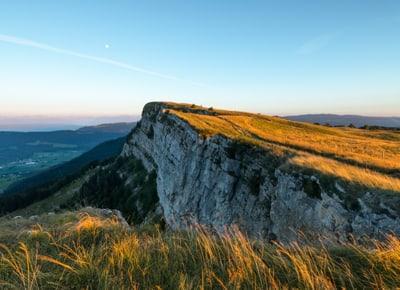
<point>365,157</point>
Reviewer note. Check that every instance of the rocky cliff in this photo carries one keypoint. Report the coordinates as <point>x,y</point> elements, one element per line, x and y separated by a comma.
<point>218,181</point>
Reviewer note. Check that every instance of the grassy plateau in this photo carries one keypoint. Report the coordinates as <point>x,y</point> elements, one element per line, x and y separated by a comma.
<point>370,158</point>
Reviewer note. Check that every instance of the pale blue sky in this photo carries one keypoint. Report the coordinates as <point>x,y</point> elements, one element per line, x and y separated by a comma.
<point>276,57</point>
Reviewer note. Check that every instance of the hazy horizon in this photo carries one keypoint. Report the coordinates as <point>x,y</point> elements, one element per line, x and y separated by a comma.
<point>71,122</point>
<point>52,123</point>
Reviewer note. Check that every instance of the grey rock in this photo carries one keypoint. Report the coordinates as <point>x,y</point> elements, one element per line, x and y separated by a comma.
<point>33,217</point>
<point>120,218</point>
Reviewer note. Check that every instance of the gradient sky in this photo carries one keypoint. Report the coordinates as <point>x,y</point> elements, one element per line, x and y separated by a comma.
<point>99,57</point>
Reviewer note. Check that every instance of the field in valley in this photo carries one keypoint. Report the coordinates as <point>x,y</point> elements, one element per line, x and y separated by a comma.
<point>17,170</point>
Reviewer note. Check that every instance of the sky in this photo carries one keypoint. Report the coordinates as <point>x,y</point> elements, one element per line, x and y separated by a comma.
<point>78,59</point>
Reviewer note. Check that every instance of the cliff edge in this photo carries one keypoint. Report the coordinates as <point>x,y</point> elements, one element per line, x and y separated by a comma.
<point>272,178</point>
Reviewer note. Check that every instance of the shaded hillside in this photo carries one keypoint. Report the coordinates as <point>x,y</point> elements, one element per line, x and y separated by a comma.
<point>101,152</point>
<point>346,120</point>
<point>23,154</point>
<point>122,184</point>
<point>48,182</point>
<point>20,145</point>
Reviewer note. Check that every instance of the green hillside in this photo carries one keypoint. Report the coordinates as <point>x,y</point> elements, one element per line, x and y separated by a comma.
<point>23,154</point>
<point>46,183</point>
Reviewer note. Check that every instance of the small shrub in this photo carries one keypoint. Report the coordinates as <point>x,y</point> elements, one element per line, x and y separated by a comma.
<point>255,183</point>
<point>312,188</point>
<point>150,133</point>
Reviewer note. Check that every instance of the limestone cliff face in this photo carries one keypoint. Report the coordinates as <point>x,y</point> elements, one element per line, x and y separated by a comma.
<point>219,182</point>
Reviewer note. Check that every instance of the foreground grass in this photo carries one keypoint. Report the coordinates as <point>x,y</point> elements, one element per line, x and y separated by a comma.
<point>91,252</point>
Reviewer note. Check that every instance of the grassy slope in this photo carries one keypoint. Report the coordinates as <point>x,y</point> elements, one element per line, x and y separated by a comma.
<point>368,158</point>
<point>57,200</point>
<point>84,250</point>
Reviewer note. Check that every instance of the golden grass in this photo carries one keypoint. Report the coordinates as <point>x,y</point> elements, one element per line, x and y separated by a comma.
<point>347,172</point>
<point>23,266</point>
<point>93,223</point>
<point>352,144</point>
<point>112,258</point>
<point>342,149</point>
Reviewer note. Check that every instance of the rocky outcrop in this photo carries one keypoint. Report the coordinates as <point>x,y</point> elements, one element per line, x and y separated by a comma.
<point>220,182</point>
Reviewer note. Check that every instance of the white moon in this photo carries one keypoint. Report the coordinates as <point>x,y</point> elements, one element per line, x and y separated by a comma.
<point>107,46</point>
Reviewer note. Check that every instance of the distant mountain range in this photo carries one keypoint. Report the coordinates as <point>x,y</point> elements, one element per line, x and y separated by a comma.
<point>47,124</point>
<point>113,128</point>
<point>345,120</point>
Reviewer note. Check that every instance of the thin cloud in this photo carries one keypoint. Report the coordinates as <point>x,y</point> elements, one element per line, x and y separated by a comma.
<point>43,46</point>
<point>315,44</point>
